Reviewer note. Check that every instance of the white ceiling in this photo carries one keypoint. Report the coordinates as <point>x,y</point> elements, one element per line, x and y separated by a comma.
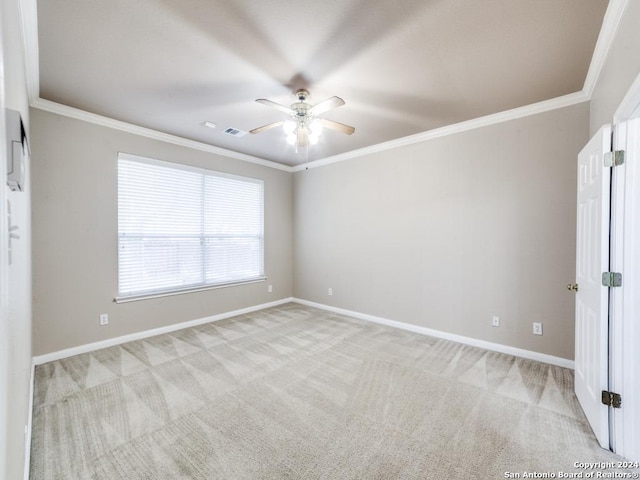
<point>403,67</point>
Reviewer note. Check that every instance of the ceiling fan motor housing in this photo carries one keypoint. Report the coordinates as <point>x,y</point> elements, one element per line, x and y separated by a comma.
<point>300,110</point>
<point>302,94</point>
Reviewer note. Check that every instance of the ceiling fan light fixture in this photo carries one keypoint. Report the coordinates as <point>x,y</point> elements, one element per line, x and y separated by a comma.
<point>303,127</point>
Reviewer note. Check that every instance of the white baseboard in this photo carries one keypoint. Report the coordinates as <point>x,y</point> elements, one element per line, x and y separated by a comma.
<point>90,347</point>
<point>27,433</point>
<point>518,352</point>
<point>496,347</point>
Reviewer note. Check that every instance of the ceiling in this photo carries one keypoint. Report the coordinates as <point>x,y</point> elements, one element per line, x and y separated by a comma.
<point>402,67</point>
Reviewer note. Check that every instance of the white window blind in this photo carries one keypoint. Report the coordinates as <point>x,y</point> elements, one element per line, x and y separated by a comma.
<point>183,228</point>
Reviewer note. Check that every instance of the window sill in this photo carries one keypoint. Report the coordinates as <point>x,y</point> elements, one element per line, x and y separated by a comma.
<point>169,293</point>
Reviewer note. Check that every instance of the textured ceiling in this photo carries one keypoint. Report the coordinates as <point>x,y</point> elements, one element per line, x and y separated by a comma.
<point>403,67</point>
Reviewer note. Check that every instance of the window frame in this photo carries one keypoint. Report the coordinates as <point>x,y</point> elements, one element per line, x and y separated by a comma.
<point>203,285</point>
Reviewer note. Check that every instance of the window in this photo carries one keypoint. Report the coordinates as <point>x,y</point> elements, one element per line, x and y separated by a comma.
<point>183,228</point>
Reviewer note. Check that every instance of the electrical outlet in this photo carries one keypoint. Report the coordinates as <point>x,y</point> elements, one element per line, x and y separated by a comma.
<point>104,319</point>
<point>537,328</point>
<point>330,291</point>
<point>270,288</point>
<point>495,321</point>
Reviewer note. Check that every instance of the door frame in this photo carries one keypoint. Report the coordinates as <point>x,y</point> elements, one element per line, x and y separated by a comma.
<point>4,274</point>
<point>624,333</point>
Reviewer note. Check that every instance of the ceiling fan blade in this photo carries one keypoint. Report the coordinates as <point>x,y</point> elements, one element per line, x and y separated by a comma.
<point>303,138</point>
<point>275,105</point>
<point>340,127</point>
<point>326,105</point>
<point>266,127</point>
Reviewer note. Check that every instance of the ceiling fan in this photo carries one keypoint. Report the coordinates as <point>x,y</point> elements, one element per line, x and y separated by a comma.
<point>303,128</point>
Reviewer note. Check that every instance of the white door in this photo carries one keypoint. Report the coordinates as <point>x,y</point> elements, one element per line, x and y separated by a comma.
<point>625,301</point>
<point>592,304</point>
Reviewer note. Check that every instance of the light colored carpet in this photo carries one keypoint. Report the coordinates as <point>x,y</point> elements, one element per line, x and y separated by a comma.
<point>297,393</point>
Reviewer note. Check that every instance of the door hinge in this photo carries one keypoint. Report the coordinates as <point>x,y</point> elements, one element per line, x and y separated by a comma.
<point>613,159</point>
<point>611,279</point>
<point>611,399</point>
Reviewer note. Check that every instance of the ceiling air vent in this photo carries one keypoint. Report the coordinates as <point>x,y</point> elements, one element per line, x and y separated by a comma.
<point>234,132</point>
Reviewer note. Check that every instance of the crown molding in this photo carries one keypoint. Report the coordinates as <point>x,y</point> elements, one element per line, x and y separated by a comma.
<point>78,114</point>
<point>610,24</point>
<point>493,119</point>
<point>507,115</point>
<point>29,18</point>
<point>28,12</point>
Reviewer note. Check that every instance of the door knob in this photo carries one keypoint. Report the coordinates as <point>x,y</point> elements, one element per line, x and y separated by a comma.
<point>573,286</point>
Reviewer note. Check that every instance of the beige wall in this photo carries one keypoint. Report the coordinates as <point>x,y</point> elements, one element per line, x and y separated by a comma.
<point>75,241</point>
<point>620,69</point>
<point>448,232</point>
<point>483,206</point>
<point>15,329</point>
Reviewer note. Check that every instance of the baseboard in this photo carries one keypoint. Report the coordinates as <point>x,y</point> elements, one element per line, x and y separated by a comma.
<point>90,347</point>
<point>496,347</point>
<point>27,433</point>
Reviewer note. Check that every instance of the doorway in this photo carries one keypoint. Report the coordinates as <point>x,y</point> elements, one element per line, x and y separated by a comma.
<point>624,314</point>
<point>607,356</point>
